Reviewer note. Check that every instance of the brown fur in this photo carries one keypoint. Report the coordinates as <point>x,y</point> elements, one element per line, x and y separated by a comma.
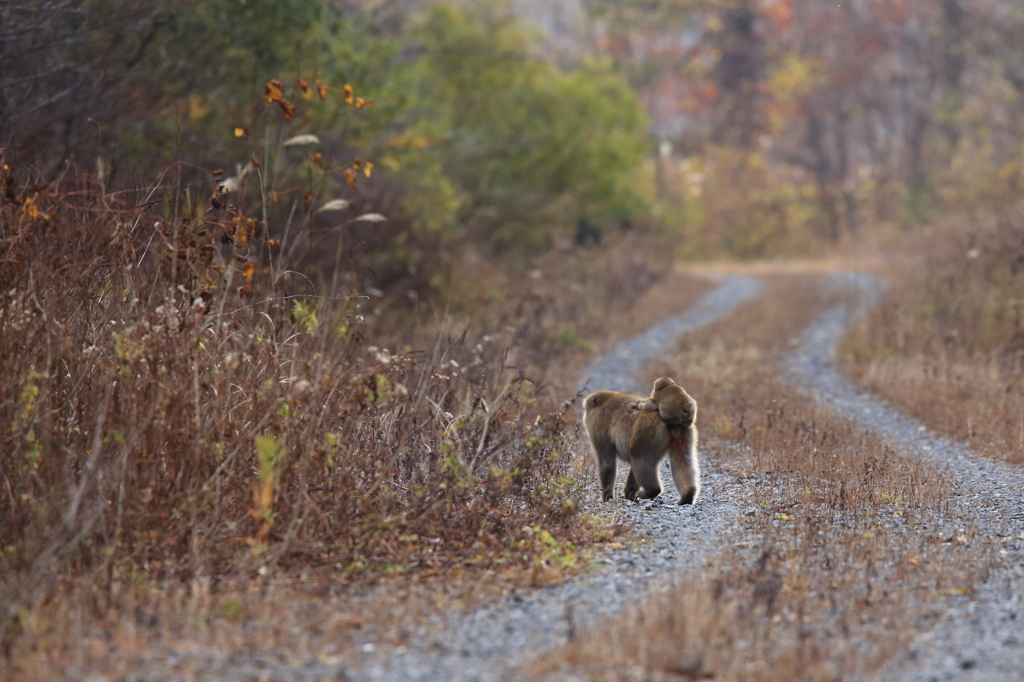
<point>642,432</point>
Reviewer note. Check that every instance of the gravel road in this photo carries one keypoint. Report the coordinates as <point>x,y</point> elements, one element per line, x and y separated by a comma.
<point>975,639</point>
<point>488,643</point>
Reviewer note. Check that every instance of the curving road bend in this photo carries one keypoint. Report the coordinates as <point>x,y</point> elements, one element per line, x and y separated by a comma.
<point>979,638</point>
<point>489,643</point>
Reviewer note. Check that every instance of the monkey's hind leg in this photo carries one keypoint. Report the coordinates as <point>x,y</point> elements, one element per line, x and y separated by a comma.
<point>682,454</point>
<point>606,470</point>
<point>631,486</point>
<point>644,474</point>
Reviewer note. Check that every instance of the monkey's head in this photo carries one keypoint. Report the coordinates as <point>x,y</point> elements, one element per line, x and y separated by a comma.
<point>672,403</point>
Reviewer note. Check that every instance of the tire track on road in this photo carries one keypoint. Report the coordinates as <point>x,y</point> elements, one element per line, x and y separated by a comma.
<point>979,638</point>
<point>489,643</point>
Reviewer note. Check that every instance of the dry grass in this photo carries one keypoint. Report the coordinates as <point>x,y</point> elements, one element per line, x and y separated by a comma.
<point>947,343</point>
<point>185,433</point>
<point>848,545</point>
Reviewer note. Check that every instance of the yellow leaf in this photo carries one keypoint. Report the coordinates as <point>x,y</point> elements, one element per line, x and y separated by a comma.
<point>348,93</point>
<point>242,132</point>
<point>368,169</point>
<point>360,102</point>
<point>29,210</point>
<point>248,270</point>
<point>272,91</point>
<point>321,90</point>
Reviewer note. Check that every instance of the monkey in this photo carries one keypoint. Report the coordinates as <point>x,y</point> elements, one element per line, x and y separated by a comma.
<point>671,402</point>
<point>642,431</point>
<point>679,412</point>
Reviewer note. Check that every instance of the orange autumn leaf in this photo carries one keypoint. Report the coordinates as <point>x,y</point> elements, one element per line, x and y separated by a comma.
<point>360,102</point>
<point>348,93</point>
<point>321,90</point>
<point>288,108</point>
<point>245,291</point>
<point>350,177</point>
<point>357,164</point>
<point>248,270</point>
<point>318,159</point>
<point>242,131</point>
<point>272,91</point>
<point>274,243</point>
<point>273,196</point>
<point>367,103</point>
<point>29,210</point>
<point>304,84</point>
<point>307,200</point>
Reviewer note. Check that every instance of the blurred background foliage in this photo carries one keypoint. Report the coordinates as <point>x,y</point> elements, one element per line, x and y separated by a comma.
<point>800,126</point>
<point>750,128</point>
<point>479,140</point>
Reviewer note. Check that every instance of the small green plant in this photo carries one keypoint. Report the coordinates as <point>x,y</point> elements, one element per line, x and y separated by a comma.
<point>269,454</point>
<point>304,314</point>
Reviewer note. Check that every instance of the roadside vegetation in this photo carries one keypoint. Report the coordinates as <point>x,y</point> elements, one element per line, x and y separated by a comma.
<point>849,546</point>
<point>295,300</point>
<point>351,356</point>
<point>947,343</point>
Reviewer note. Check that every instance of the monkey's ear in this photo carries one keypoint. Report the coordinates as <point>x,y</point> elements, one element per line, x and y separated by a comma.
<point>662,383</point>
<point>646,406</point>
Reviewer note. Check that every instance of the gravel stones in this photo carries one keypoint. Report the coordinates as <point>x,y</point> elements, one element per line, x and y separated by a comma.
<point>491,642</point>
<point>974,639</point>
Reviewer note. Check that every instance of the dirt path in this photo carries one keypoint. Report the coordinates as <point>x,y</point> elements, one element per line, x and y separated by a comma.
<point>490,642</point>
<point>979,638</point>
<point>971,639</point>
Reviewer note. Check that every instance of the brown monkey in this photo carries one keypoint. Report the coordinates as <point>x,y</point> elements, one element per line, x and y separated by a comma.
<point>679,412</point>
<point>642,431</point>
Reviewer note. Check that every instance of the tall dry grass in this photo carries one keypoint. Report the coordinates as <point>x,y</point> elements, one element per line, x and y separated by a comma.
<point>946,345</point>
<point>182,412</point>
<point>845,547</point>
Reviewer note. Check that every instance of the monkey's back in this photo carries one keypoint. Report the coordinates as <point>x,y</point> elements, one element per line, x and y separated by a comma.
<point>649,429</point>
<point>609,422</point>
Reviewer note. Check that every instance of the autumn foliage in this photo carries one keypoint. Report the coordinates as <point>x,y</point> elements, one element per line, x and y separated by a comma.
<point>175,404</point>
